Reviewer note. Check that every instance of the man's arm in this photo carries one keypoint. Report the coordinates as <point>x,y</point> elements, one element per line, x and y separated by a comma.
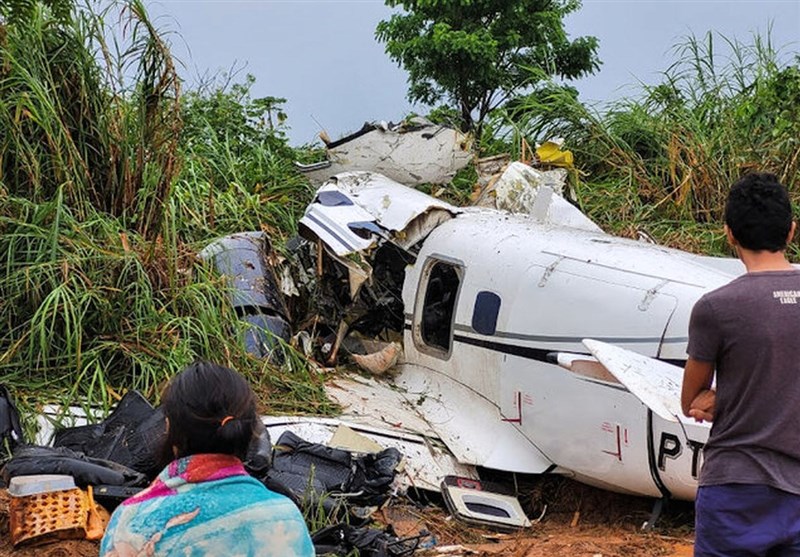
<point>697,398</point>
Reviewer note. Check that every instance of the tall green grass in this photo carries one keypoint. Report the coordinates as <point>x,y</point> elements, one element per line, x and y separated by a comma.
<point>665,159</point>
<point>97,121</point>
<point>105,201</point>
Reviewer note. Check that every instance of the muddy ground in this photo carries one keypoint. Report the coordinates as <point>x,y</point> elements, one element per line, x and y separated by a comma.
<point>579,521</point>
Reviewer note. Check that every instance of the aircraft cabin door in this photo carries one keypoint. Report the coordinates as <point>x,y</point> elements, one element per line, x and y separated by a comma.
<point>435,308</point>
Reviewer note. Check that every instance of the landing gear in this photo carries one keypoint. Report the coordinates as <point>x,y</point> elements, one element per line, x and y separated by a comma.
<point>658,508</point>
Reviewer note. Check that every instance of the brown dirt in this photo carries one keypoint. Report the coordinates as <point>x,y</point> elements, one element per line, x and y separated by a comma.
<point>67,548</point>
<point>579,522</point>
<point>549,538</point>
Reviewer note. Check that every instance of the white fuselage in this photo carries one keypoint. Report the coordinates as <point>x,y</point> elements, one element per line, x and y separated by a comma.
<point>520,290</point>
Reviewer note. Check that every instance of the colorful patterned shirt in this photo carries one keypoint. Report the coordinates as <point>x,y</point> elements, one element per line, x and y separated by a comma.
<point>207,505</point>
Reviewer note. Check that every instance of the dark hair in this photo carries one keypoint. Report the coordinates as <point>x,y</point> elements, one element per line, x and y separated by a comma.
<point>211,409</point>
<point>759,212</point>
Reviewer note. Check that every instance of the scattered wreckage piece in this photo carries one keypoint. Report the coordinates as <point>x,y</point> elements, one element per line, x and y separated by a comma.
<point>413,152</point>
<point>539,193</point>
<point>354,211</point>
<point>381,361</point>
<point>254,290</point>
<point>342,539</point>
<point>483,504</point>
<point>551,153</point>
<point>33,460</point>
<point>10,427</point>
<point>133,435</point>
<point>425,460</point>
<point>315,475</point>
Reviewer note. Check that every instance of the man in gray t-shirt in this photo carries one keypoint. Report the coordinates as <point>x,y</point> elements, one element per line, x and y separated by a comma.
<point>748,334</point>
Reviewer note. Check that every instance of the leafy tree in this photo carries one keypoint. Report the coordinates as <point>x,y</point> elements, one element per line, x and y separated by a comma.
<point>477,54</point>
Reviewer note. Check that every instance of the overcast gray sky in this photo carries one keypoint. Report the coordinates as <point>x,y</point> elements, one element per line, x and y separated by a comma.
<point>322,56</point>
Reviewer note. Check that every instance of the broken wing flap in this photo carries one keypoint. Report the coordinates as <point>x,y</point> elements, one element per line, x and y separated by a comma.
<point>583,365</point>
<point>657,384</point>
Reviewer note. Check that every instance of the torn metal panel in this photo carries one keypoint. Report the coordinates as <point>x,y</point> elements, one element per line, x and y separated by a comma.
<point>392,205</point>
<point>538,193</point>
<point>242,258</point>
<point>426,460</point>
<point>479,503</point>
<point>356,209</point>
<point>331,224</point>
<point>254,289</point>
<point>413,152</point>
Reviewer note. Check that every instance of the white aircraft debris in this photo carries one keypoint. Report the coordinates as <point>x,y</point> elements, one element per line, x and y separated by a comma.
<point>526,190</point>
<point>413,152</point>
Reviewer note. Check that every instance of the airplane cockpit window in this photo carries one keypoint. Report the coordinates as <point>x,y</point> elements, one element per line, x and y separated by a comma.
<point>440,300</point>
<point>485,312</point>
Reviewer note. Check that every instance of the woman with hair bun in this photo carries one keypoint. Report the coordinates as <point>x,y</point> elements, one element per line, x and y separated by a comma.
<point>204,503</point>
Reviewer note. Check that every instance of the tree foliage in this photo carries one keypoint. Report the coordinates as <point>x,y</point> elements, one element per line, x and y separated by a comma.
<point>476,54</point>
<point>222,113</point>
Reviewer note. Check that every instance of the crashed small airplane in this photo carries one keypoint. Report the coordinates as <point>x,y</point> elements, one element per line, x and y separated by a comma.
<point>532,343</point>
